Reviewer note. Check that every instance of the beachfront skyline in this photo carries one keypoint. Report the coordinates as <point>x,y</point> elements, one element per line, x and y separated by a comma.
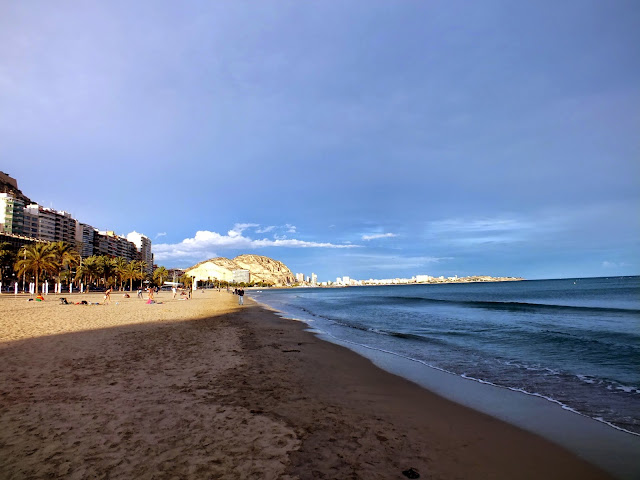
<point>369,139</point>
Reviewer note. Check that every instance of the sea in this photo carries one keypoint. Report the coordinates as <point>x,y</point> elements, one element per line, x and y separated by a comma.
<point>574,342</point>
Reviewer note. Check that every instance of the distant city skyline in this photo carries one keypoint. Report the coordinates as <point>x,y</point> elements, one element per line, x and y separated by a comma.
<point>368,139</point>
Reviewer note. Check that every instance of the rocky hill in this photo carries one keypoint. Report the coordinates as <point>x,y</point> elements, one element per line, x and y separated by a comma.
<point>262,269</point>
<point>9,185</point>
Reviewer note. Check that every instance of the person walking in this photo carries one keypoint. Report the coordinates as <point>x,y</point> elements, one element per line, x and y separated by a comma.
<point>241,297</point>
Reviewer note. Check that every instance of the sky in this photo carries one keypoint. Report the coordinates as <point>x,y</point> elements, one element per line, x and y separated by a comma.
<point>374,139</point>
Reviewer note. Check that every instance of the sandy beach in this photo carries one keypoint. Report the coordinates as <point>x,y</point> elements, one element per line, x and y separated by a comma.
<point>204,388</point>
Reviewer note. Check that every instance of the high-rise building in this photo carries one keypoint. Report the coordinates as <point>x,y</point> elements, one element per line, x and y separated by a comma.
<point>49,224</point>
<point>113,245</point>
<point>85,238</point>
<point>300,277</point>
<point>20,216</point>
<point>314,279</point>
<point>143,244</point>
<point>11,214</point>
<point>30,222</point>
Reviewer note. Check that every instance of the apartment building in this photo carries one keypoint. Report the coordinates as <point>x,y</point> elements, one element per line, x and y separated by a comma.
<point>85,239</point>
<point>11,214</point>
<point>34,221</point>
<point>48,224</point>
<point>143,246</point>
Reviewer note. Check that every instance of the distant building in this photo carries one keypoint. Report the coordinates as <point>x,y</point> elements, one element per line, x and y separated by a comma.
<point>314,279</point>
<point>300,277</point>
<point>175,274</point>
<point>112,245</point>
<point>143,245</point>
<point>11,214</point>
<point>423,278</point>
<point>48,224</point>
<point>30,222</point>
<point>241,276</point>
<point>85,239</point>
<point>17,241</point>
<point>19,216</point>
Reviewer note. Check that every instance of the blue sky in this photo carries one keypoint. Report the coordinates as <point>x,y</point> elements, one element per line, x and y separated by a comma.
<point>361,138</point>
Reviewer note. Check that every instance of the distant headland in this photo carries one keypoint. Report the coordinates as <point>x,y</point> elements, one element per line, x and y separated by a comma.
<point>257,269</point>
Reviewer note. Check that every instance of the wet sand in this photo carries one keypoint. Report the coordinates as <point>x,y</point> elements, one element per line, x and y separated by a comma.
<point>207,389</point>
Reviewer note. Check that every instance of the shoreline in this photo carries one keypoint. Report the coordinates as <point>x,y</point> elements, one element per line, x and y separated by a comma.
<point>205,388</point>
<point>610,447</point>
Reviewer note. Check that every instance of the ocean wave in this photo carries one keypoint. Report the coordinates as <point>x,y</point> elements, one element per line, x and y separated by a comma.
<point>495,305</point>
<point>486,382</point>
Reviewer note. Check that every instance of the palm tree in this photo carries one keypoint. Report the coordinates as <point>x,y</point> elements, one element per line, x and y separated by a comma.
<point>66,257</point>
<point>120,264</point>
<point>131,272</point>
<point>107,268</point>
<point>37,259</point>
<point>159,275</point>
<point>7,258</point>
<point>88,269</point>
<point>142,266</point>
<point>186,280</point>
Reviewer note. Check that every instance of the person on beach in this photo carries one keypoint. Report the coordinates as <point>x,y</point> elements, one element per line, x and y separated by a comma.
<point>107,296</point>
<point>150,291</point>
<point>140,293</point>
<point>174,290</point>
<point>241,297</point>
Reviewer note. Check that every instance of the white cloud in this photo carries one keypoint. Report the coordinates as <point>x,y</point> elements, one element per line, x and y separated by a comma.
<point>608,264</point>
<point>161,234</point>
<point>238,228</point>
<point>394,262</point>
<point>479,225</point>
<point>205,243</point>
<point>471,232</point>
<point>378,235</point>
<point>265,229</point>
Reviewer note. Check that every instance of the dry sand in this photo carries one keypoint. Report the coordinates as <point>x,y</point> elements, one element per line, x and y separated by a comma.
<point>207,389</point>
